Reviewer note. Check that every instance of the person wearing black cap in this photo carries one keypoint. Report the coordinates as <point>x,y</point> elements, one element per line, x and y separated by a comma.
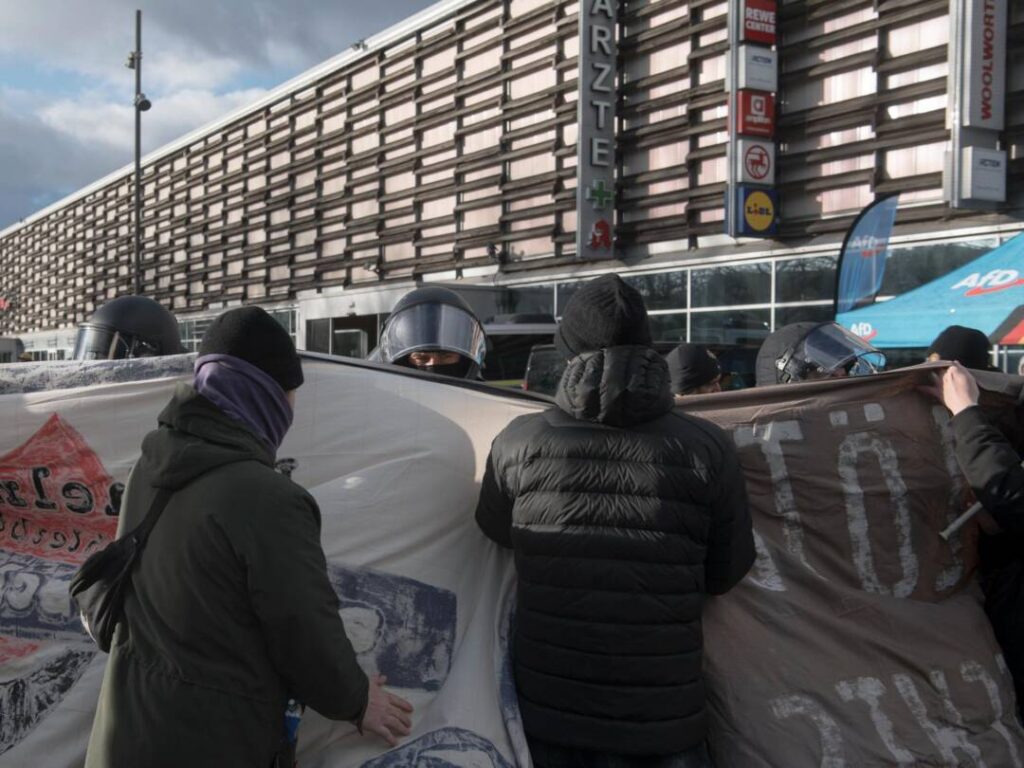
<point>622,514</point>
<point>230,612</point>
<point>967,346</point>
<point>694,370</point>
<point>812,351</point>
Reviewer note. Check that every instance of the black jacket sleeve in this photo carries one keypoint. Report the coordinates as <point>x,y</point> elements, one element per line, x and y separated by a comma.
<point>992,467</point>
<point>298,611</point>
<point>731,539</point>
<point>494,509</point>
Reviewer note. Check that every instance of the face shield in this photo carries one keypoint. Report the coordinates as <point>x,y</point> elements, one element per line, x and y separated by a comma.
<point>829,351</point>
<point>96,342</point>
<point>432,327</point>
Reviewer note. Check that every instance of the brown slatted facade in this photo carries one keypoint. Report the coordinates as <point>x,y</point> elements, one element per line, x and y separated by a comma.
<point>456,144</point>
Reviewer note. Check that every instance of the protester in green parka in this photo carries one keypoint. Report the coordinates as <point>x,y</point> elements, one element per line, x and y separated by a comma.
<point>230,612</point>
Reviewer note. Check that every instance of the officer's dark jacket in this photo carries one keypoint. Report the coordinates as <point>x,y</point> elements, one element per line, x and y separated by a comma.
<point>230,611</point>
<point>623,514</point>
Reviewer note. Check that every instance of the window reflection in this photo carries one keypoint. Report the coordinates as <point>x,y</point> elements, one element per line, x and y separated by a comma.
<point>910,268</point>
<point>668,327</point>
<point>744,327</point>
<point>813,314</point>
<point>666,290</point>
<point>731,285</point>
<point>805,279</point>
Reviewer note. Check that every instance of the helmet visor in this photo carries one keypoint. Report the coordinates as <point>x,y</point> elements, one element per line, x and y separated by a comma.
<point>830,349</point>
<point>424,327</point>
<point>99,343</point>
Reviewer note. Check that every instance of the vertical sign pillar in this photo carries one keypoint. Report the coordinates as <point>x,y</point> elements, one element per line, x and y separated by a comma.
<point>975,173</point>
<point>751,207</point>
<point>596,161</point>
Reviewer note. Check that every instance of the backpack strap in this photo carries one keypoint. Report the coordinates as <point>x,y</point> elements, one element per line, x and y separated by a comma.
<point>141,532</point>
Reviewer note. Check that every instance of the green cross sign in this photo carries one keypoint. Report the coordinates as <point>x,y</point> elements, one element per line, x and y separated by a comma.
<point>598,195</point>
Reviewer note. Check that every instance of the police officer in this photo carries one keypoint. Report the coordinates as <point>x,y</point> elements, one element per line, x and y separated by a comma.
<point>809,351</point>
<point>128,326</point>
<point>435,330</point>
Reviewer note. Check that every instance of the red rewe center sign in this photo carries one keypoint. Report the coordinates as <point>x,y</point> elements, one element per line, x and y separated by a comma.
<point>759,21</point>
<point>755,113</point>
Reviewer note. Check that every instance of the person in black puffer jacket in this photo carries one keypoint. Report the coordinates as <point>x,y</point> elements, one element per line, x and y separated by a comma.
<point>622,514</point>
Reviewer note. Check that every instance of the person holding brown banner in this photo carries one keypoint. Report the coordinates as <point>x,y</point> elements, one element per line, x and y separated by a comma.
<point>993,469</point>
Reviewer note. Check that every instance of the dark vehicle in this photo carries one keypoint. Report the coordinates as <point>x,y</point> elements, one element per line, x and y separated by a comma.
<point>543,370</point>
<point>510,341</point>
<point>545,366</point>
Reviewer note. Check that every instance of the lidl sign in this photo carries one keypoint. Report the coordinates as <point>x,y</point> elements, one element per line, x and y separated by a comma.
<point>758,211</point>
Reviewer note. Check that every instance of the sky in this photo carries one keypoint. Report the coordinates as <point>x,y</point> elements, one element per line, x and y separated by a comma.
<point>66,115</point>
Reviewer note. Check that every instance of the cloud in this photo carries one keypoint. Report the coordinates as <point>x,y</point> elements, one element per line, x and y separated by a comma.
<point>192,43</point>
<point>96,121</point>
<point>71,120</point>
<point>41,165</point>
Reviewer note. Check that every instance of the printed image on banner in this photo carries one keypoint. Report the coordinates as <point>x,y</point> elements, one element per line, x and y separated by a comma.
<point>758,210</point>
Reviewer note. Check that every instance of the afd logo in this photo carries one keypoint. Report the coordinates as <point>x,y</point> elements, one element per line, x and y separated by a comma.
<point>869,246</point>
<point>865,330</point>
<point>979,284</point>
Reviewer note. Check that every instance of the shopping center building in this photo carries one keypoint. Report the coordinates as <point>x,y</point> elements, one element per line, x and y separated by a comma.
<point>445,150</point>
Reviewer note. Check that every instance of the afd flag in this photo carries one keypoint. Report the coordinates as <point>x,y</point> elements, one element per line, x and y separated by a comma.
<point>987,294</point>
<point>862,258</point>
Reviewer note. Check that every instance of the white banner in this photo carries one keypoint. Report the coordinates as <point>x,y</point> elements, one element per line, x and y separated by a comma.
<point>395,462</point>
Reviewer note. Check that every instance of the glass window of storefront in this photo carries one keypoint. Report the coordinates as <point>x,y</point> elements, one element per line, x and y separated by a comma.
<point>811,279</point>
<point>742,303</point>
<point>746,327</point>
<point>192,329</point>
<point>910,267</point>
<point>732,285</point>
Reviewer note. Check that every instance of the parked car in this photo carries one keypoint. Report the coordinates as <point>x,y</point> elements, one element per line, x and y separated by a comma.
<point>545,366</point>
<point>510,339</point>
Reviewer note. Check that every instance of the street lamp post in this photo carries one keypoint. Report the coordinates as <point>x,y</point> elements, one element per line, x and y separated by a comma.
<point>142,104</point>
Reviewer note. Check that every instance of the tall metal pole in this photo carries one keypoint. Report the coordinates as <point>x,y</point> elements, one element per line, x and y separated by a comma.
<point>138,154</point>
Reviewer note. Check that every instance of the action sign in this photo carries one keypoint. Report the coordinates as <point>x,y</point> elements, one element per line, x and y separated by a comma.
<point>758,211</point>
<point>755,113</point>
<point>758,21</point>
<point>758,68</point>
<point>755,161</point>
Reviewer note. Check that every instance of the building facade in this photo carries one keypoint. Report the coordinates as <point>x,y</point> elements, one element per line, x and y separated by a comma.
<point>444,150</point>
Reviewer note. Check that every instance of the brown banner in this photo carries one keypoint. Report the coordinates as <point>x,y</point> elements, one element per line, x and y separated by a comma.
<point>859,637</point>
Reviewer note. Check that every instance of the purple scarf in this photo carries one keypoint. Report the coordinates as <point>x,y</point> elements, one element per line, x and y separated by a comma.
<point>245,393</point>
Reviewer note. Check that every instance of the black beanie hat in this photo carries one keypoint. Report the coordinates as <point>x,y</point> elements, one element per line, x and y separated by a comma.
<point>605,312</point>
<point>250,334</point>
<point>968,346</point>
<point>691,366</point>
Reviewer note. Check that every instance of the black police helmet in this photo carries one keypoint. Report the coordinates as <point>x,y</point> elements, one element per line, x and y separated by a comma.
<point>128,326</point>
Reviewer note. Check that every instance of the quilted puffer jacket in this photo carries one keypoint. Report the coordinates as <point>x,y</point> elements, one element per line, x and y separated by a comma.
<point>623,514</point>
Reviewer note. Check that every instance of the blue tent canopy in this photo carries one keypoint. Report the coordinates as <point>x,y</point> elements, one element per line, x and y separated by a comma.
<point>987,294</point>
